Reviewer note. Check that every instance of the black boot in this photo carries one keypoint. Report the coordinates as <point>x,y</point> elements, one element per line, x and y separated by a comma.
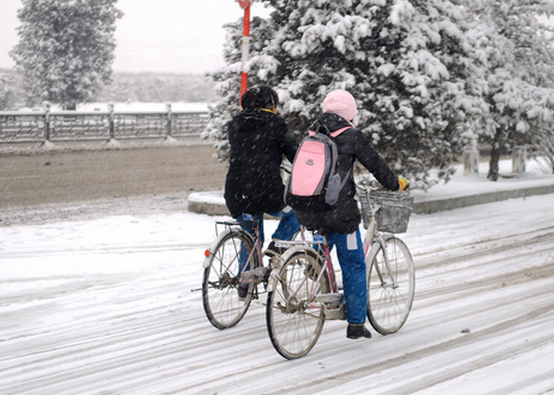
<point>243,292</point>
<point>355,331</point>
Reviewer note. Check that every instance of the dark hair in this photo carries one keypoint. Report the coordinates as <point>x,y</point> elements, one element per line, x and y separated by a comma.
<point>259,97</point>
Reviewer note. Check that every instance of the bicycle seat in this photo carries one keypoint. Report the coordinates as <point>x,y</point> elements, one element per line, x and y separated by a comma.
<point>228,222</point>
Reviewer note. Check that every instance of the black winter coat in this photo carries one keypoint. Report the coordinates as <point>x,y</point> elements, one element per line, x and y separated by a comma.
<point>344,217</point>
<point>258,140</point>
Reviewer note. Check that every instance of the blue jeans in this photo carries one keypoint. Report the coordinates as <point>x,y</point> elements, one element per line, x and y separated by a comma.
<point>350,252</point>
<point>288,226</point>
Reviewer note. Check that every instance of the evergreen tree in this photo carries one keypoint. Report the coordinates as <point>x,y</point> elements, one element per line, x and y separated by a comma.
<point>6,93</point>
<point>406,63</point>
<point>519,73</point>
<point>65,49</point>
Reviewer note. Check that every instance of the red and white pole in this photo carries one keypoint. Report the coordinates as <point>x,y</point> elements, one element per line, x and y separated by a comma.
<point>245,5</point>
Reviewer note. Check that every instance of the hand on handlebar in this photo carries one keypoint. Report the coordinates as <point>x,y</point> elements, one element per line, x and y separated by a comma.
<point>404,184</point>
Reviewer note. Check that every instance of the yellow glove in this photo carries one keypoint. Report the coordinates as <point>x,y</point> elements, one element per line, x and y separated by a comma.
<point>404,184</point>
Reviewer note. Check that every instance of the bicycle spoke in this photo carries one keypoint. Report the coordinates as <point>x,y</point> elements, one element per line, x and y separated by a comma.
<point>390,286</point>
<point>223,304</point>
<point>294,318</point>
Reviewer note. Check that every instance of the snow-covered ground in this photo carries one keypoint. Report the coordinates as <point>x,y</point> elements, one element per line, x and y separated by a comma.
<point>537,173</point>
<point>108,304</point>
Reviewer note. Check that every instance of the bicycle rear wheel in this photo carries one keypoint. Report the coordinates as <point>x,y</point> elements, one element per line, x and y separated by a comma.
<point>391,286</point>
<point>294,319</point>
<point>220,286</point>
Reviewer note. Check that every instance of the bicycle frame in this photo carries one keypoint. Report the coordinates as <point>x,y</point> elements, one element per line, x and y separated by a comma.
<point>256,250</point>
<point>303,291</point>
<point>334,298</point>
<point>328,266</point>
<point>372,239</point>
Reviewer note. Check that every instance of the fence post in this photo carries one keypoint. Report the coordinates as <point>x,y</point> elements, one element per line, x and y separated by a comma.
<point>111,128</point>
<point>169,119</point>
<point>519,158</point>
<point>46,131</point>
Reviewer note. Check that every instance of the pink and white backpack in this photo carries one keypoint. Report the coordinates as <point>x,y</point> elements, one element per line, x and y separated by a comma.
<point>314,184</point>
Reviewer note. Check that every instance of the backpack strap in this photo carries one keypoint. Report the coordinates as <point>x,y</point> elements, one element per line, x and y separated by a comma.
<point>337,132</point>
<point>333,134</point>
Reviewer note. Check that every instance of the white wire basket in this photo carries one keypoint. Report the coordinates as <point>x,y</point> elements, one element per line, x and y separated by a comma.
<point>395,211</point>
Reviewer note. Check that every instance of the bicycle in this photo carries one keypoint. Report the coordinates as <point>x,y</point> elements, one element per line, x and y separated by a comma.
<point>302,287</point>
<point>233,269</point>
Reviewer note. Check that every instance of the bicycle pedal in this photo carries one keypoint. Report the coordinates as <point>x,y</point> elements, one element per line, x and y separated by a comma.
<point>331,298</point>
<point>334,312</point>
<point>255,276</point>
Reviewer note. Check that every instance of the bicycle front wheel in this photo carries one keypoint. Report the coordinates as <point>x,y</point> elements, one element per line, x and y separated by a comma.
<point>294,318</point>
<point>391,285</point>
<point>224,302</point>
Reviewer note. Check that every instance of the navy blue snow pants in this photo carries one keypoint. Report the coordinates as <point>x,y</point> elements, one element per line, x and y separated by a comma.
<point>350,252</point>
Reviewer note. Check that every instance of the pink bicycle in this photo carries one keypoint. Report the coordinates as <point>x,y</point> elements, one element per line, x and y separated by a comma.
<point>303,291</point>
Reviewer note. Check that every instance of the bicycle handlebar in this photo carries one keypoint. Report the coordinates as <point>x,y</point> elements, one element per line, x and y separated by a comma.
<point>368,188</point>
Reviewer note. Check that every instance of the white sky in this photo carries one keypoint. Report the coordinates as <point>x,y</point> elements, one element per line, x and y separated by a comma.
<point>184,36</point>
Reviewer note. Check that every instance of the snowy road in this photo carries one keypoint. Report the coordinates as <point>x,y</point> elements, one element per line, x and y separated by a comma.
<point>104,305</point>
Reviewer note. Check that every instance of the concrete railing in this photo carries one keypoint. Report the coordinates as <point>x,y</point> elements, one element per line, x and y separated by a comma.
<point>50,126</point>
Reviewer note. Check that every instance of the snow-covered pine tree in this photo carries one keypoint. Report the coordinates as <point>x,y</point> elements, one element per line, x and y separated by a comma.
<point>405,62</point>
<point>65,49</point>
<point>11,90</point>
<point>6,93</point>
<point>519,74</point>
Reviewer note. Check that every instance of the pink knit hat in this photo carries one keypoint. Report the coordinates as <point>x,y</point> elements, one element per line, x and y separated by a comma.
<point>342,103</point>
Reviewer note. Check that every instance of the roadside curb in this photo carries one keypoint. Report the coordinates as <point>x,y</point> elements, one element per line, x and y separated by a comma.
<point>433,206</point>
<point>210,203</point>
<point>213,203</point>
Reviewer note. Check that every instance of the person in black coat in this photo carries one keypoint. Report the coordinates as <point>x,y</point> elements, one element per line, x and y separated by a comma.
<point>340,222</point>
<point>344,217</point>
<point>259,139</point>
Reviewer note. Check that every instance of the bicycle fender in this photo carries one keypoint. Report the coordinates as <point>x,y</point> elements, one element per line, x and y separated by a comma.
<point>379,242</point>
<point>274,277</point>
<point>371,253</point>
<point>304,247</point>
<point>208,253</point>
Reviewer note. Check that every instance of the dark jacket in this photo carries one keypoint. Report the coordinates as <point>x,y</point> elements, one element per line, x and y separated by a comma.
<point>344,217</point>
<point>258,140</point>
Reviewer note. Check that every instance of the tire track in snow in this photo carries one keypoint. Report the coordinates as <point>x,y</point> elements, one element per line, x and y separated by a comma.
<point>147,333</point>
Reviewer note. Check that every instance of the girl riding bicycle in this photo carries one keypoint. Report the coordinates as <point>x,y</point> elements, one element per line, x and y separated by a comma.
<point>340,222</point>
